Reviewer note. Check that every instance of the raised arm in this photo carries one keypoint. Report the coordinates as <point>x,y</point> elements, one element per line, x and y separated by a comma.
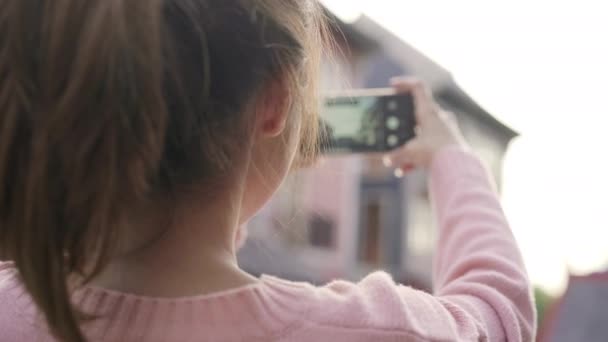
<point>479,274</point>
<point>478,267</point>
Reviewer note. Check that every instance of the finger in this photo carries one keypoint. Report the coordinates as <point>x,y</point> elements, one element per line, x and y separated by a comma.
<point>399,173</point>
<point>387,160</point>
<point>404,170</point>
<point>423,98</point>
<point>404,156</point>
<point>405,84</point>
<point>409,83</point>
<point>408,167</point>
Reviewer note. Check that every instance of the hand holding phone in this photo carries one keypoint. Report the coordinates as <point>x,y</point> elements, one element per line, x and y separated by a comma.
<point>367,121</point>
<point>437,128</point>
<point>385,121</point>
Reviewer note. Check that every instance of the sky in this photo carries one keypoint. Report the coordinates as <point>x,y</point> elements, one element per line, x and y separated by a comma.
<point>541,67</point>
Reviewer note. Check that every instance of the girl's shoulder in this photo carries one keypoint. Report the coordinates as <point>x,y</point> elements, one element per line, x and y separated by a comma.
<point>374,304</point>
<point>17,312</point>
<point>9,280</point>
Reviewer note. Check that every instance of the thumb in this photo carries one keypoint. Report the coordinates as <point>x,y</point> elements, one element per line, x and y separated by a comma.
<point>406,157</point>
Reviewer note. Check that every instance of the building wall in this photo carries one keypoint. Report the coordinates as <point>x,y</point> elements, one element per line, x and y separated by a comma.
<point>339,192</point>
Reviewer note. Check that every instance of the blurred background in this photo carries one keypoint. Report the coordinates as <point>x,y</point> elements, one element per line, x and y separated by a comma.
<point>526,79</point>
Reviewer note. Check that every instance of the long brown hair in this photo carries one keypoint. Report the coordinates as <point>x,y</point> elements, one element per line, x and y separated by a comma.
<point>103,102</point>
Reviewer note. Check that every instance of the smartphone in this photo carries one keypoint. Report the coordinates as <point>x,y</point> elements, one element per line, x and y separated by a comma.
<point>366,121</point>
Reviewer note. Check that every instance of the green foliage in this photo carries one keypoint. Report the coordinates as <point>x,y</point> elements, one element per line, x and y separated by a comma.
<point>543,303</point>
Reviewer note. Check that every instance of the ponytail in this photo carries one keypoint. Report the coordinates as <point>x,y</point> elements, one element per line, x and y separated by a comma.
<point>107,103</point>
<point>82,123</point>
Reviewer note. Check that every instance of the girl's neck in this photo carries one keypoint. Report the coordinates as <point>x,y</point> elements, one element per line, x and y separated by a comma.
<point>194,255</point>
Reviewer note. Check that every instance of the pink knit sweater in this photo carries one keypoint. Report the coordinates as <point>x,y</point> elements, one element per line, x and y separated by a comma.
<point>482,291</point>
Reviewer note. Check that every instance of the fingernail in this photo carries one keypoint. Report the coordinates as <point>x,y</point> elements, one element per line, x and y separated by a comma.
<point>399,173</point>
<point>386,160</point>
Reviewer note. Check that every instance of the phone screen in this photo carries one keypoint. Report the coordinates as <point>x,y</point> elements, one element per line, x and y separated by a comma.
<point>352,121</point>
<point>352,124</point>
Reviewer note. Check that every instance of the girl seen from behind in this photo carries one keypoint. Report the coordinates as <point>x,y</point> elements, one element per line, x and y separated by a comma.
<point>137,136</point>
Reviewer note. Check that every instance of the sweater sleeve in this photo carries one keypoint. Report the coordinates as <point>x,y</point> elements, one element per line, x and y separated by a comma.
<point>482,292</point>
<point>478,272</point>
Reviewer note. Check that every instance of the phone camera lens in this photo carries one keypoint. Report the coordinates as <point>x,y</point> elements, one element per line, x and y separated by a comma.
<point>392,140</point>
<point>392,123</point>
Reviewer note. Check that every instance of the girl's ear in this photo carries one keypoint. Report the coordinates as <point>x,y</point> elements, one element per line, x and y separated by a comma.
<point>272,108</point>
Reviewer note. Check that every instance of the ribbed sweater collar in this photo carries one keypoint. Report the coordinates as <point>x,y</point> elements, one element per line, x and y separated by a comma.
<point>267,309</point>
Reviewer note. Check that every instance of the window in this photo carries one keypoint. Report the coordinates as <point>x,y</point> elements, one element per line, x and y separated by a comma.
<point>321,231</point>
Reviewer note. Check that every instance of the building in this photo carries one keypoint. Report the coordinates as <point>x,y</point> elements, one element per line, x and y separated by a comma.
<point>351,215</point>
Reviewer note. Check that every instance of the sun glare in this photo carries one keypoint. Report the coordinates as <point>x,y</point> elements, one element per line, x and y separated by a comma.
<point>538,66</point>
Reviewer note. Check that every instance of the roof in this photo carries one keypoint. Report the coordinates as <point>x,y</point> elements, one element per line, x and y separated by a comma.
<point>355,39</point>
<point>582,313</point>
<point>459,98</point>
<point>440,80</point>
